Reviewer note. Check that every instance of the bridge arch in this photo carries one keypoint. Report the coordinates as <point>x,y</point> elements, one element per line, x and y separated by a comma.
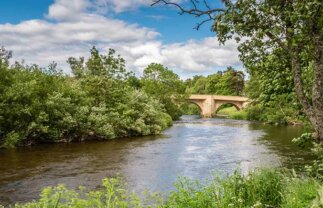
<point>196,103</point>
<point>238,106</point>
<point>222,106</point>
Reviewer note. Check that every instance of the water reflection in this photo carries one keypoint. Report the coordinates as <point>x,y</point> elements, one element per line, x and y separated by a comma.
<point>192,147</point>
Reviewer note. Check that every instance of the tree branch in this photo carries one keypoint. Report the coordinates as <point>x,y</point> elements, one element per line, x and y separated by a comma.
<point>277,40</point>
<point>195,10</point>
<point>297,72</point>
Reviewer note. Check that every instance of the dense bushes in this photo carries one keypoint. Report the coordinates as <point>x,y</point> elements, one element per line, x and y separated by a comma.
<point>280,112</point>
<point>38,105</point>
<point>262,188</point>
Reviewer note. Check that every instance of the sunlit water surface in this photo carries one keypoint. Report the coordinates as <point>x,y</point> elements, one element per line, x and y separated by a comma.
<point>193,147</point>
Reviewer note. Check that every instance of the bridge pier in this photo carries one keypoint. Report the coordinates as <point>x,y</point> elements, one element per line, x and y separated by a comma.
<point>208,107</point>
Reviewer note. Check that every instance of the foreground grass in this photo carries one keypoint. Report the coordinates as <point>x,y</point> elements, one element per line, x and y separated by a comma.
<point>261,188</point>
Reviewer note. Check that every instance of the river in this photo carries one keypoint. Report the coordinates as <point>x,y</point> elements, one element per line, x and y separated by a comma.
<point>192,147</point>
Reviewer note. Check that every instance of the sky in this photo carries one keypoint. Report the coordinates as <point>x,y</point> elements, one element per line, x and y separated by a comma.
<point>43,31</point>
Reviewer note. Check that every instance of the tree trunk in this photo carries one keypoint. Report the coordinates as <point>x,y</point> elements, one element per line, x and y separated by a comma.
<point>314,109</point>
<point>317,91</point>
<point>297,75</point>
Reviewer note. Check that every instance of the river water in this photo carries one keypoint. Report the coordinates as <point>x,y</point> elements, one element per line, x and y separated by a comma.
<point>193,147</point>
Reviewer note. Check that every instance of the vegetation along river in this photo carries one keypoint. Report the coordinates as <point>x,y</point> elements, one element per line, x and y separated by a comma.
<point>192,147</point>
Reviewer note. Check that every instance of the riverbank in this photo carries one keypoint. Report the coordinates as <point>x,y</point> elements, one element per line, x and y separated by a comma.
<point>250,115</point>
<point>261,188</point>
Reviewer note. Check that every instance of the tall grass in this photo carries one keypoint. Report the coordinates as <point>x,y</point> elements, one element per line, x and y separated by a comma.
<point>264,188</point>
<point>261,188</point>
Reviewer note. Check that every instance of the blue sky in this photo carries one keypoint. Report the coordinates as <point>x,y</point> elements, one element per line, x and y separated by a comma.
<point>15,11</point>
<point>169,23</point>
<point>41,31</point>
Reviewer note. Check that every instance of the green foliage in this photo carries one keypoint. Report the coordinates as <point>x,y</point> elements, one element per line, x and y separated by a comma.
<point>254,112</point>
<point>100,102</point>
<point>261,188</point>
<point>280,42</point>
<point>240,115</point>
<point>316,168</point>
<point>229,82</point>
<point>305,140</point>
<point>165,86</point>
<point>232,112</point>
<point>280,109</point>
<point>113,195</point>
<point>258,189</point>
<point>302,193</point>
<point>36,105</point>
<point>271,88</point>
<point>4,57</point>
<point>109,65</point>
<point>190,109</point>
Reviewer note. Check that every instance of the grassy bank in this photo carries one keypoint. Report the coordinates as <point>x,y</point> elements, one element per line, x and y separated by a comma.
<point>262,188</point>
<point>233,113</point>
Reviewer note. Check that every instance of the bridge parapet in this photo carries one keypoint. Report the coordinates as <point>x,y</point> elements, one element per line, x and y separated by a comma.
<point>219,97</point>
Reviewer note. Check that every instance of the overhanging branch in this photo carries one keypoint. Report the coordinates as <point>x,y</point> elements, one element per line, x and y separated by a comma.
<point>195,10</point>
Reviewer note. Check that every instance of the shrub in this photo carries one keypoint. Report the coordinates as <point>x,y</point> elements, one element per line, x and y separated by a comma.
<point>36,107</point>
<point>316,168</point>
<point>239,115</point>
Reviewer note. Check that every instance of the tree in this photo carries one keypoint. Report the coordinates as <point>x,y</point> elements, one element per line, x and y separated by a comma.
<point>4,57</point>
<point>235,79</point>
<point>163,84</point>
<point>109,65</point>
<point>228,82</point>
<point>261,27</point>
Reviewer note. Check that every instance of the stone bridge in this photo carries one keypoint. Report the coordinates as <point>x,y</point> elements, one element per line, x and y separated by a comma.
<point>209,104</point>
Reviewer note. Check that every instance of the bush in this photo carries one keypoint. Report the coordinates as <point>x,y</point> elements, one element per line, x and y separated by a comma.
<point>254,112</point>
<point>316,168</point>
<point>280,109</point>
<point>239,115</point>
<point>39,105</point>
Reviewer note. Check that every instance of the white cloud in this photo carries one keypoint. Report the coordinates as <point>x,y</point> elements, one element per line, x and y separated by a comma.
<point>76,30</point>
<point>199,56</point>
<point>71,9</point>
<point>192,56</point>
<point>67,9</point>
